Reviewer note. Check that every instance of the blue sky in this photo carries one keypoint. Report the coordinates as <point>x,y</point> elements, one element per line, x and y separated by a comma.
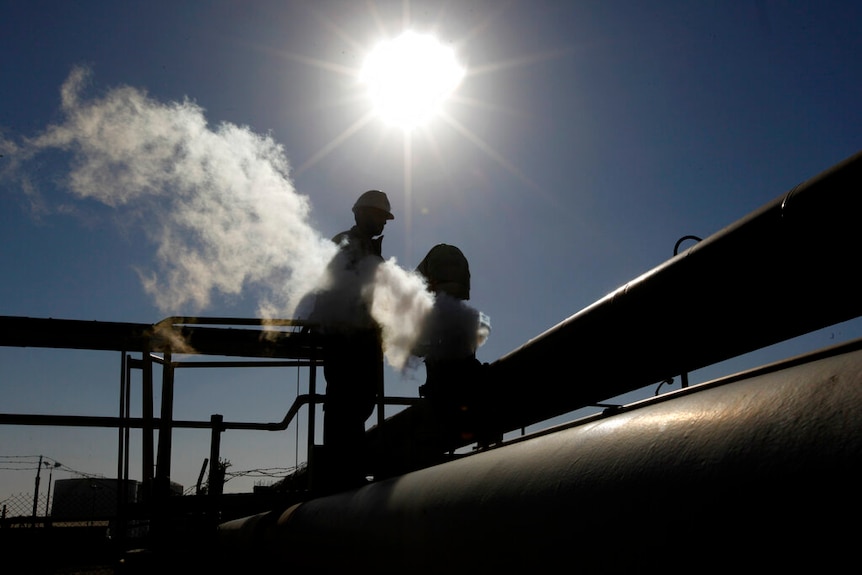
<point>585,140</point>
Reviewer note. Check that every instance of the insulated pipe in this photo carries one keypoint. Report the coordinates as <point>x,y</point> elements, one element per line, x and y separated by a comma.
<point>787,269</point>
<point>758,471</point>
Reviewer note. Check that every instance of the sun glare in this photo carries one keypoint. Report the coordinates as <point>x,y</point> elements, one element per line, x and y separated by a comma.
<point>409,78</point>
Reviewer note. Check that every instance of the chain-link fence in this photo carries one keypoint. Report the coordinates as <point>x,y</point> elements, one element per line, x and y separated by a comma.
<point>44,544</point>
<point>74,502</point>
<point>17,510</point>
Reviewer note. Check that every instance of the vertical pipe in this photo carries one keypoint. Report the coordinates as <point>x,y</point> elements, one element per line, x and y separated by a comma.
<point>121,448</point>
<point>147,427</point>
<point>312,410</point>
<point>122,494</point>
<point>381,398</point>
<point>127,430</point>
<point>163,465</point>
<point>215,482</point>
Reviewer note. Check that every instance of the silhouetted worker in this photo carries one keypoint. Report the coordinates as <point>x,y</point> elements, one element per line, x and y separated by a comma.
<point>352,347</point>
<point>454,383</point>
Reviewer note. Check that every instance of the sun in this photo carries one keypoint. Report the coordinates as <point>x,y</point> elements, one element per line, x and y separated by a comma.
<point>408,78</point>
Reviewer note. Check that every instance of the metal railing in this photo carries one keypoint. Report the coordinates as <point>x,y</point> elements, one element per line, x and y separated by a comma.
<point>275,348</point>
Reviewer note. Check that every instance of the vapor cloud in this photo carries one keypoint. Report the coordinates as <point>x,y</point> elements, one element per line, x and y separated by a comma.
<point>401,304</point>
<point>217,204</point>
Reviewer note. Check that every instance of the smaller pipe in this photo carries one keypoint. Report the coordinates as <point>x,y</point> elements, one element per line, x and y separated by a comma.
<point>142,423</point>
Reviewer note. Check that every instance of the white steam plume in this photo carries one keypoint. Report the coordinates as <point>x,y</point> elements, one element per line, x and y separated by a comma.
<point>401,305</point>
<point>417,323</point>
<point>217,203</point>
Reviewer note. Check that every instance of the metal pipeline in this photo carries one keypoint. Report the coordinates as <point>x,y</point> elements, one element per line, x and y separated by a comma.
<point>758,470</point>
<point>785,270</point>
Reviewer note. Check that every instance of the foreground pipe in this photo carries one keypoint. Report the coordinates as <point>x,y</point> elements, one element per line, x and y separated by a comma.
<point>785,270</point>
<point>756,471</point>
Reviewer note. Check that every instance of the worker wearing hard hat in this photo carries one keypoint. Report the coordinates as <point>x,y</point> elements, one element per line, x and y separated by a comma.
<point>352,347</point>
<point>454,383</point>
<point>371,212</point>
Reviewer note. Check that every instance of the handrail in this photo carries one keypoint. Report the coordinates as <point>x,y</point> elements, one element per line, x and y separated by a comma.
<point>139,422</point>
<point>264,345</point>
<point>210,320</point>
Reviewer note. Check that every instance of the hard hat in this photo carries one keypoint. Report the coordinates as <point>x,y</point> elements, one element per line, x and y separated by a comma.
<point>374,199</point>
<point>447,270</point>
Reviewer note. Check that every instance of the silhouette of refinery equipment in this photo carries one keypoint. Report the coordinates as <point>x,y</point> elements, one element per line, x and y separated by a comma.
<point>696,474</point>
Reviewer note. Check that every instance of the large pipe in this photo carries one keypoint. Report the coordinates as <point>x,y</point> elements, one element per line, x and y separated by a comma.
<point>785,270</point>
<point>758,471</point>
<point>178,335</point>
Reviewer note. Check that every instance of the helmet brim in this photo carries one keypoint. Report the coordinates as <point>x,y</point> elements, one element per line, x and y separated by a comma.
<point>389,215</point>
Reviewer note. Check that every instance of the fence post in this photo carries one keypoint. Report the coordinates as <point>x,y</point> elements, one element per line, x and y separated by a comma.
<point>36,492</point>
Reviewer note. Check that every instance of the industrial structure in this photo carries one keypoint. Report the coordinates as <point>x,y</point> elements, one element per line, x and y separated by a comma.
<point>755,470</point>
